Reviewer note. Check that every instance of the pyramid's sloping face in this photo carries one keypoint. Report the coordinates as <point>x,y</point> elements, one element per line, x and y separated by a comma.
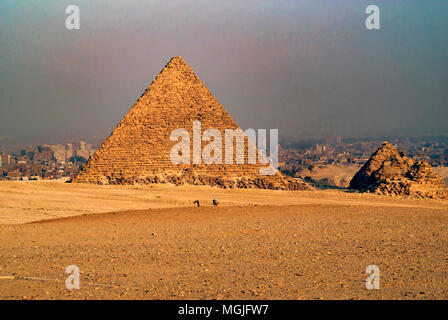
<point>140,145</point>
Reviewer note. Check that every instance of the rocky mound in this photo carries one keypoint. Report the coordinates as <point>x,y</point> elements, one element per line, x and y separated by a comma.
<point>274,182</point>
<point>390,172</point>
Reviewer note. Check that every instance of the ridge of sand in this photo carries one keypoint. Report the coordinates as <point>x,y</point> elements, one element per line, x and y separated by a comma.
<point>27,201</point>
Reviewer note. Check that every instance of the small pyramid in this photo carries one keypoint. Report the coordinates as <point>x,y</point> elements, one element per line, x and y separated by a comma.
<point>389,171</point>
<point>138,149</point>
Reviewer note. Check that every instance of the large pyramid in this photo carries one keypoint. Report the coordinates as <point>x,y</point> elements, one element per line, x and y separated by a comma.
<point>138,149</point>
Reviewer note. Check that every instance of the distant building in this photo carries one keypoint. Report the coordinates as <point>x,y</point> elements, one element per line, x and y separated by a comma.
<point>60,152</point>
<point>44,153</point>
<point>84,150</point>
<point>63,153</point>
<point>5,159</point>
<point>338,140</point>
<point>45,161</point>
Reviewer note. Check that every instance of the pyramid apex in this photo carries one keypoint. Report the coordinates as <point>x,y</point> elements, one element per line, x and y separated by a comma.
<point>176,63</point>
<point>177,59</point>
<point>387,146</point>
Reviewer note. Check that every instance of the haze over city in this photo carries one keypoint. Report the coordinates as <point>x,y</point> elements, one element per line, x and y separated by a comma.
<point>309,68</point>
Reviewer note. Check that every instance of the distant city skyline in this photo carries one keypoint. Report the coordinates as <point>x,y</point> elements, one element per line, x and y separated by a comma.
<point>308,68</point>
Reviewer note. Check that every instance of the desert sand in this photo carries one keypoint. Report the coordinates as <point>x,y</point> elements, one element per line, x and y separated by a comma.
<point>151,242</point>
<point>330,175</point>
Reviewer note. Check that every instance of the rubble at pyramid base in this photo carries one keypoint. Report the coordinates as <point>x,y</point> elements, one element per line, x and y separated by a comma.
<point>274,182</point>
<point>407,188</point>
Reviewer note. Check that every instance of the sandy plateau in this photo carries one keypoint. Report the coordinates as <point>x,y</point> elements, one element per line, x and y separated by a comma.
<point>151,242</point>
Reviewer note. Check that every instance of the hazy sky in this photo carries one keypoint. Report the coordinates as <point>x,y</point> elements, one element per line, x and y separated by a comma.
<point>305,67</point>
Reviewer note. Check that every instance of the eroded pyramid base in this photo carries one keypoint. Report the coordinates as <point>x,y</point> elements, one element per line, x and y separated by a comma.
<point>274,182</point>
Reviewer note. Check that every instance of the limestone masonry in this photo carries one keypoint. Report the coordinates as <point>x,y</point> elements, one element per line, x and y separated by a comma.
<point>138,149</point>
